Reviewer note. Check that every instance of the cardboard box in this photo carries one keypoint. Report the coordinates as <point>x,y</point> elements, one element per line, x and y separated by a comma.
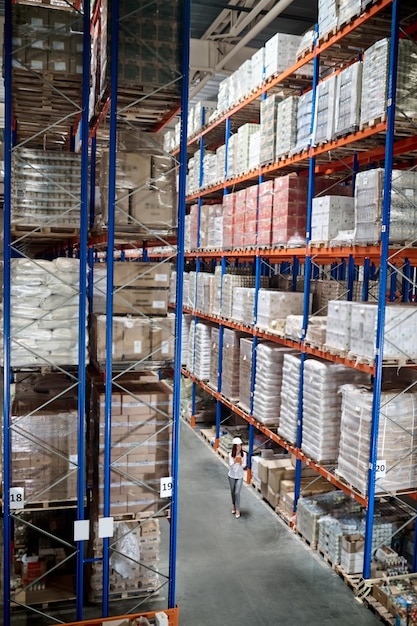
<point>274,464</point>
<point>353,543</point>
<point>140,301</point>
<point>163,338</point>
<point>134,274</point>
<point>272,497</point>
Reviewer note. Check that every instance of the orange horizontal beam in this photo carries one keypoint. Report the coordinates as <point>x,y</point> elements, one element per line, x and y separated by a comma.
<point>172,615</point>
<point>277,439</point>
<point>166,119</point>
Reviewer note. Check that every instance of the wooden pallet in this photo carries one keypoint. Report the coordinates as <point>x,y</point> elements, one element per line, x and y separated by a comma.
<point>50,232</point>
<point>370,123</point>
<point>380,611</point>
<point>353,581</point>
<point>42,505</point>
<point>327,35</point>
<point>311,544</point>
<point>125,595</point>
<point>325,557</point>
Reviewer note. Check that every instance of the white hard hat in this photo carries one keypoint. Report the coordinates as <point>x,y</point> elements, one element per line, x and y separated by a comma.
<point>236,441</point>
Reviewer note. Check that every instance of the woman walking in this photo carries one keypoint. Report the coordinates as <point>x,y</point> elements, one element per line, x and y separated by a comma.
<point>237,464</point>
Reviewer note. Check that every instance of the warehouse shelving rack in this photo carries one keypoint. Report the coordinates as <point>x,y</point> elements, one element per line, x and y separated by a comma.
<point>379,141</point>
<point>72,117</point>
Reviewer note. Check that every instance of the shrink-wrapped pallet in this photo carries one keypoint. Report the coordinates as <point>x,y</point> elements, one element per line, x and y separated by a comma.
<point>290,390</point>
<point>304,112</point>
<point>242,147</point>
<point>275,306</point>
<point>187,320</point>
<point>229,283</point>
<point>232,150</point>
<point>44,312</point>
<point>289,214</point>
<point>214,358</point>
<point>266,199</point>
<point>397,438</point>
<point>251,216</point>
<point>220,163</point>
<point>286,127</point>
<point>245,373</point>
<point>322,407</point>
<point>199,350</point>
<point>254,150</point>
<point>217,291</point>
<point>331,531</point>
<point>229,202</point>
<point>348,99</point>
<point>204,291</point>
<point>400,331</point>
<point>369,193</point>
<point>269,108</point>
<point>230,363</point>
<point>268,383</point>
<point>376,78</point>
<point>280,53</point>
<point>348,9</point>
<point>330,215</point>
<point>324,111</point>
<point>339,313</point>
<point>328,11</point>
<point>258,63</point>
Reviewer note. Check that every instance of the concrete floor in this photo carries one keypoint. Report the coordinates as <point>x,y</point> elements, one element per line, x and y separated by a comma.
<point>247,572</point>
<point>252,570</point>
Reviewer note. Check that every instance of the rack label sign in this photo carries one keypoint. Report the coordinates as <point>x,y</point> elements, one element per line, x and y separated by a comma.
<point>17,498</point>
<point>166,487</point>
<point>380,469</point>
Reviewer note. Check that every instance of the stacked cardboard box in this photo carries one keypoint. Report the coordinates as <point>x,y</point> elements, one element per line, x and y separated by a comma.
<point>45,39</point>
<point>146,197</point>
<point>304,111</point>
<point>286,136</point>
<point>330,215</point>
<point>251,215</point>
<point>396,432</point>
<point>134,561</point>
<point>214,358</point>
<point>266,198</point>
<point>245,373</point>
<point>268,383</point>
<point>271,472</point>
<point>140,446</point>
<point>269,128</point>
<point>290,389</point>
<point>239,219</point>
<point>229,283</point>
<point>348,99</point>
<point>338,329</point>
<point>275,306</point>
<point>44,441</point>
<point>230,363</point>
<point>229,201</point>
<point>324,112</point>
<point>289,218</point>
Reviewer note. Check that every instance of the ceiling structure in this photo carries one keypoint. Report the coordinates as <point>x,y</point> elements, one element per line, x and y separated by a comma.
<point>226,33</point>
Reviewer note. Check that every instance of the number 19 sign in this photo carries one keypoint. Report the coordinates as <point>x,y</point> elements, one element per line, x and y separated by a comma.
<point>166,487</point>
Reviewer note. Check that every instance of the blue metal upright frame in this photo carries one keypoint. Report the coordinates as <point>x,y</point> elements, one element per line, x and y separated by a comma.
<point>178,308</point>
<point>385,230</point>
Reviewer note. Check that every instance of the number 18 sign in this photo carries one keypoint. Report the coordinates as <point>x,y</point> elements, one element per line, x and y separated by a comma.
<point>17,498</point>
<point>166,487</point>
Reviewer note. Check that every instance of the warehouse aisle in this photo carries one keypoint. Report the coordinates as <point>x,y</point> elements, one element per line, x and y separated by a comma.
<point>251,570</point>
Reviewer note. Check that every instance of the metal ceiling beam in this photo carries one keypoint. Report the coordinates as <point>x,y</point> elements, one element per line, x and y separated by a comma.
<point>247,19</point>
<point>205,55</point>
<point>263,23</point>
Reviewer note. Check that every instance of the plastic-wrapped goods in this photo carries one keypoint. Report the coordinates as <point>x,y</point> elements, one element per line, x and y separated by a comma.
<point>187,320</point>
<point>146,187</point>
<point>232,150</point>
<point>258,63</point>
<point>230,363</point>
<point>223,98</point>
<point>348,99</point>
<point>202,114</point>
<point>397,438</point>
<point>229,202</point>
<point>44,312</point>
<point>316,330</point>
<point>209,169</point>
<point>241,297</point>
<point>294,327</point>
<point>290,390</point>
<point>306,43</point>
<point>203,291</point>
<point>339,314</point>
<point>216,292</point>
<point>328,11</point>
<point>376,76</point>
<point>266,199</point>
<point>254,150</point>
<point>214,359</point>
<point>289,216</point>
<point>220,163</point>
<point>286,128</point>
<point>311,510</point>
<point>324,111</point>
<point>229,282</point>
<point>304,110</point>
<point>242,150</point>
<point>243,80</point>
<point>280,53</point>
<point>245,373</point>
<point>268,383</point>
<point>269,108</point>
<point>400,331</point>
<point>251,215</point>
<point>322,407</point>
<point>369,193</point>
<point>331,531</point>
<point>215,227</point>
<point>348,9</point>
<point>330,215</point>
<point>44,185</point>
<point>275,306</point>
<point>199,350</point>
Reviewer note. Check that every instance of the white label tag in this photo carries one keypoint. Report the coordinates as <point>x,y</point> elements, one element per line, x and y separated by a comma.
<point>158,304</point>
<point>165,347</point>
<point>380,469</point>
<point>161,278</point>
<point>73,461</point>
<point>137,346</point>
<point>17,498</point>
<point>166,487</point>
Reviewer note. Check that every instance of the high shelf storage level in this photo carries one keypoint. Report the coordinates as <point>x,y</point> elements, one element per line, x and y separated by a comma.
<point>91,405</point>
<point>316,254</point>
